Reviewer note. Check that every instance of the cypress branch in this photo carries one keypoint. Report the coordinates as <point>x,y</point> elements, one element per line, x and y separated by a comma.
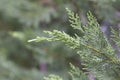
<point>94,49</point>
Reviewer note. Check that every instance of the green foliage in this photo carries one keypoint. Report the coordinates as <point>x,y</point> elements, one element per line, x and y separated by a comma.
<point>21,20</point>
<point>10,71</point>
<point>74,20</point>
<point>26,12</point>
<point>94,49</point>
<point>116,37</point>
<point>52,77</point>
<point>77,74</point>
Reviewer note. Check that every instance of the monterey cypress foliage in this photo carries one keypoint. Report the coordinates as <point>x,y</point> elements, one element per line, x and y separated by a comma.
<point>97,55</point>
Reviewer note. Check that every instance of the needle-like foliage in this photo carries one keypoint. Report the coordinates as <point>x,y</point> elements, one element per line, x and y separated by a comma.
<point>96,53</point>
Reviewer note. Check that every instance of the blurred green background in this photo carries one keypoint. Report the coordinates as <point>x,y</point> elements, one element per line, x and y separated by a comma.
<point>22,20</point>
